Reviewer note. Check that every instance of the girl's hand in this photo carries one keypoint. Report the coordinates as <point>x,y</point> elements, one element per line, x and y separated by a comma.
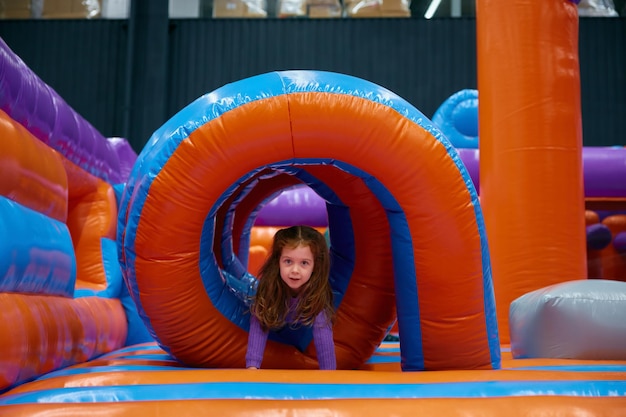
<point>252,367</point>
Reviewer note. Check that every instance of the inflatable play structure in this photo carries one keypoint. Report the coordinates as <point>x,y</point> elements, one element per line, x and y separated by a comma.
<point>604,170</point>
<point>125,280</point>
<point>367,200</point>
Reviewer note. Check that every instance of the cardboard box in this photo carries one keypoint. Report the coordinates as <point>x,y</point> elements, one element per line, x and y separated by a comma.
<point>229,8</point>
<point>15,9</point>
<point>363,8</point>
<point>70,9</point>
<point>396,13</point>
<point>255,9</point>
<point>324,11</point>
<point>395,6</point>
<point>292,8</point>
<point>249,9</point>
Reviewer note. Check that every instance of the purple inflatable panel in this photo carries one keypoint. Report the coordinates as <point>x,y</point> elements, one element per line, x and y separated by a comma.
<point>126,155</point>
<point>470,158</point>
<point>604,170</point>
<point>32,103</point>
<point>298,205</point>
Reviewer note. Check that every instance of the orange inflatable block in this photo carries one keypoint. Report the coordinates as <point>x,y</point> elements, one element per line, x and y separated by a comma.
<point>48,333</point>
<point>256,259</point>
<point>32,173</point>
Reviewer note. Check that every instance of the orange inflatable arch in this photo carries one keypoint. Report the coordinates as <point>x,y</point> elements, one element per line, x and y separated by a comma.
<point>406,229</point>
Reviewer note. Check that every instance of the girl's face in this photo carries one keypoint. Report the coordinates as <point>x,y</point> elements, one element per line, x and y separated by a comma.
<point>296,266</point>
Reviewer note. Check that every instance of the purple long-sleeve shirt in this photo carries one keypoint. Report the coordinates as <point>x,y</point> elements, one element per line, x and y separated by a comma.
<point>322,337</point>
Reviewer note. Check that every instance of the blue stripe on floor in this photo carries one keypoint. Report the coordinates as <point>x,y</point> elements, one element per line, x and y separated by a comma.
<point>282,391</point>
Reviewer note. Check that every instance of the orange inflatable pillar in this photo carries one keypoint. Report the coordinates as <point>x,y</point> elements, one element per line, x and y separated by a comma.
<point>531,176</point>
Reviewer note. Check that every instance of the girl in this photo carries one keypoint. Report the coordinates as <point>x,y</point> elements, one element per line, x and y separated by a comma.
<point>294,290</point>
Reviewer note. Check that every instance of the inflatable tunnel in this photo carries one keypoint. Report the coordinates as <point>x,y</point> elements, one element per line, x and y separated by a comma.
<point>406,229</point>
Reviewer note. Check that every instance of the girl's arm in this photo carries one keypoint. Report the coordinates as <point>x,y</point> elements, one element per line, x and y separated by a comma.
<point>257,339</point>
<point>324,344</point>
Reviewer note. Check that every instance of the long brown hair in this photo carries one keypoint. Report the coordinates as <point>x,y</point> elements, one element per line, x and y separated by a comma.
<point>271,302</point>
